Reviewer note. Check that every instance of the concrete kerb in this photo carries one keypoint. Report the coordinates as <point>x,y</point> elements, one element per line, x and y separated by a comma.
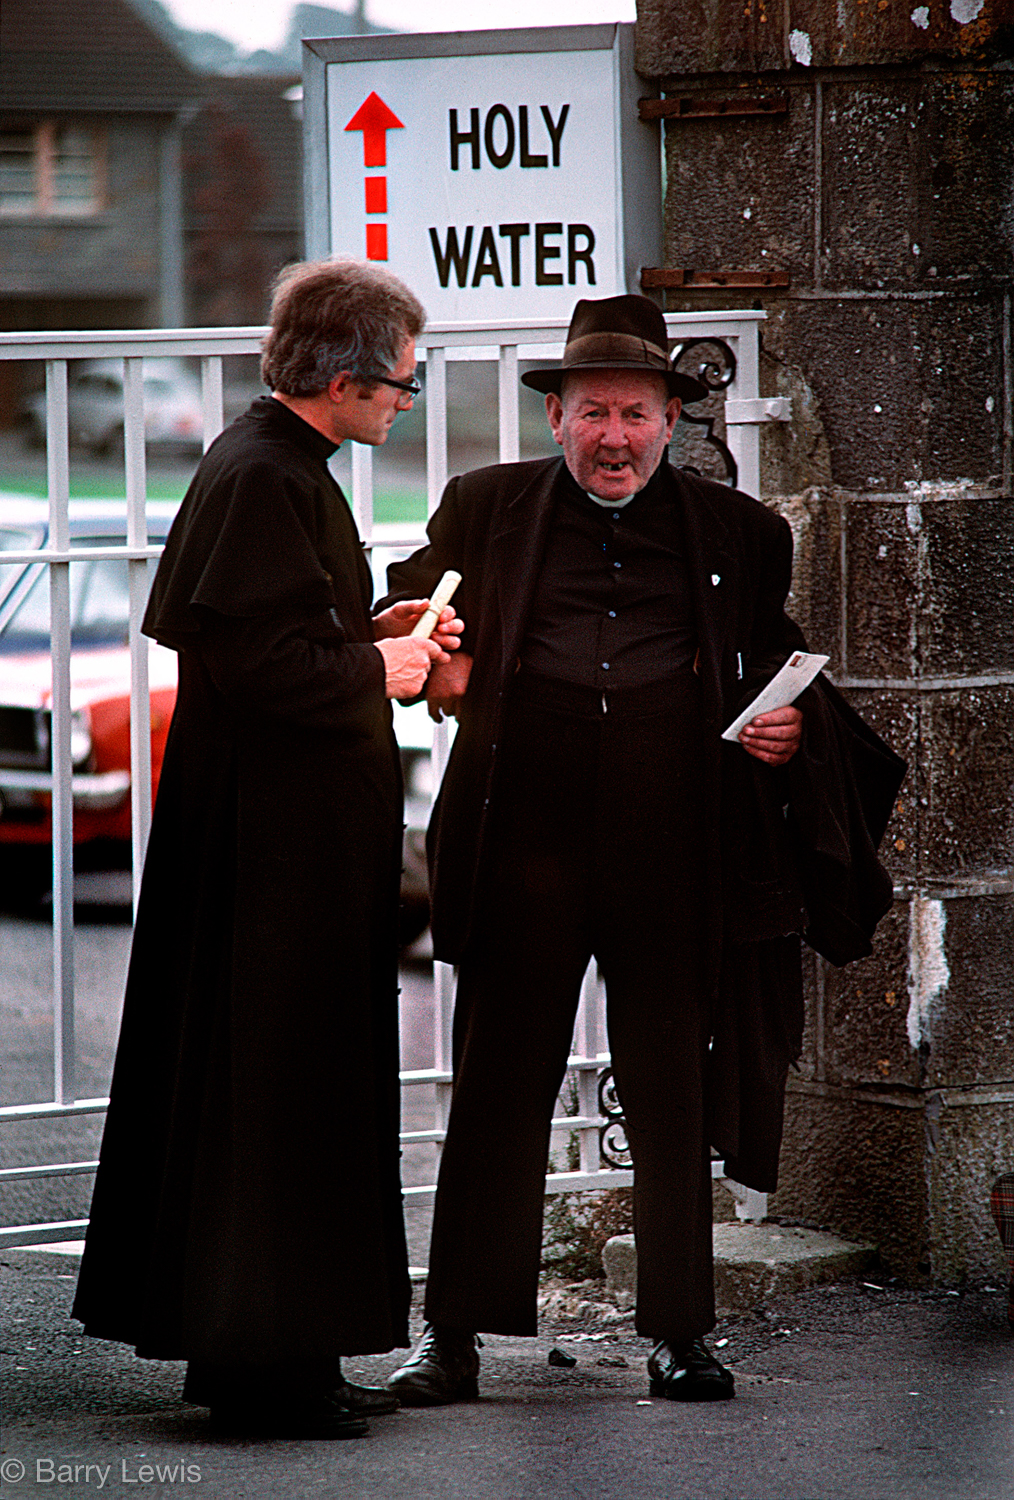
<point>753,1263</point>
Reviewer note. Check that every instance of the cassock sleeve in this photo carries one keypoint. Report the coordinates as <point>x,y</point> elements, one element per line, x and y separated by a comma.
<point>417,576</point>
<point>269,666</point>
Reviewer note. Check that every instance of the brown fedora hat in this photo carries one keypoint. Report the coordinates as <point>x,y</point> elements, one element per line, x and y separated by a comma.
<point>617,333</point>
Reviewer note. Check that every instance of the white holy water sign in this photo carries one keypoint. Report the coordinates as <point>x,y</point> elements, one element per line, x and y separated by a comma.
<point>498,183</point>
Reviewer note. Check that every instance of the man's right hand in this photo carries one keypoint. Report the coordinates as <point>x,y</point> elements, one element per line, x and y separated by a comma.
<point>407,661</point>
<point>446,686</point>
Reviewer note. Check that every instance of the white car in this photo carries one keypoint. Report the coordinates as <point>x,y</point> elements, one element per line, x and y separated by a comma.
<point>173,413</point>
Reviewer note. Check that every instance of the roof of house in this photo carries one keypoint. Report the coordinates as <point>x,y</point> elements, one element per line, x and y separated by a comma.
<point>88,55</point>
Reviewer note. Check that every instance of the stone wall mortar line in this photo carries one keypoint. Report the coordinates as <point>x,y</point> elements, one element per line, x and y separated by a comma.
<point>950,890</point>
<point>924,684</point>
<point>953,290</point>
<point>1008,397</point>
<point>954,1096</point>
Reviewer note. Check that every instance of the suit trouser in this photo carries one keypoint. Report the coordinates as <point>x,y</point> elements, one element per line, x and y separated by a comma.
<point>593,849</point>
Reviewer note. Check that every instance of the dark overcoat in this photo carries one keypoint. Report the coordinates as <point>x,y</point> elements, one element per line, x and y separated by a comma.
<point>491,527</point>
<point>247,1206</point>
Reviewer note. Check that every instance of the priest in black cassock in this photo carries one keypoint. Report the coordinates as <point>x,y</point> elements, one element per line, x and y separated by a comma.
<point>247,1211</point>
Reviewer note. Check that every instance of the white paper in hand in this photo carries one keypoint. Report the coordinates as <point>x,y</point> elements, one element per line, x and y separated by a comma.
<point>783,689</point>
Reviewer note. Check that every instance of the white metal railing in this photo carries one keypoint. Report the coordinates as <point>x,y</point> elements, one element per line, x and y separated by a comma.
<point>745,411</point>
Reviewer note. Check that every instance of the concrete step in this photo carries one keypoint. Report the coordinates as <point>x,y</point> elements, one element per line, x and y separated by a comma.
<point>753,1262</point>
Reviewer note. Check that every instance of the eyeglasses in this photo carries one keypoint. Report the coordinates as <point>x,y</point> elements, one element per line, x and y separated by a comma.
<point>411,386</point>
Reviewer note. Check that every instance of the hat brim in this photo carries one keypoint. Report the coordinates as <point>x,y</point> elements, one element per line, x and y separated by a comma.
<point>550,381</point>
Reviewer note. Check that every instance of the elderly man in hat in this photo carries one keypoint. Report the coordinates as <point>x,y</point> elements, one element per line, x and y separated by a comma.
<point>618,614</point>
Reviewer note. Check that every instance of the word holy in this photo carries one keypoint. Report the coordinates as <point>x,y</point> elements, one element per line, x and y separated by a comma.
<point>500,137</point>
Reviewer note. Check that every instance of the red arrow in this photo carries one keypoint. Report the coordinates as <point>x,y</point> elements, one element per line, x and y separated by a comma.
<point>374,119</point>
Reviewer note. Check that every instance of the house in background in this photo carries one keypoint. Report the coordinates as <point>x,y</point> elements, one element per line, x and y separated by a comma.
<point>135,190</point>
<point>91,212</point>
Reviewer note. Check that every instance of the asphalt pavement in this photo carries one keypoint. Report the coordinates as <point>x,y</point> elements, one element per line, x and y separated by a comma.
<point>850,1392</point>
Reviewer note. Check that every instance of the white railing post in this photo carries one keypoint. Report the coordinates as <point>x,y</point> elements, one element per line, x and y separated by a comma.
<point>743,439</point>
<point>138,583</point>
<point>58,476</point>
<point>510,442</point>
<point>212,403</point>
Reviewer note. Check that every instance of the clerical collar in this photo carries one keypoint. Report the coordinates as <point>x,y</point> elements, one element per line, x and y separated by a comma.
<point>612,504</point>
<point>654,487</point>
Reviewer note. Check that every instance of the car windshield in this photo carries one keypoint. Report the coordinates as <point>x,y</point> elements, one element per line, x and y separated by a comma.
<point>99,604</point>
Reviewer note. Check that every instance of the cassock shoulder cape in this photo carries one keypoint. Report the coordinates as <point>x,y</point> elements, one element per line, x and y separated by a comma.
<point>247,1206</point>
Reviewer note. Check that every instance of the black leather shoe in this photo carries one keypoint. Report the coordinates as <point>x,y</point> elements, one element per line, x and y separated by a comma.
<point>365,1400</point>
<point>688,1372</point>
<point>310,1417</point>
<point>443,1367</point>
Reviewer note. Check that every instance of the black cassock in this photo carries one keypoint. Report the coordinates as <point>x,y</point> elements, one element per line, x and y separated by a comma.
<point>247,1207</point>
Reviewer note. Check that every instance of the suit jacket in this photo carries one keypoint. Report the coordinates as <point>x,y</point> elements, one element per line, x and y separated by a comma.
<point>491,527</point>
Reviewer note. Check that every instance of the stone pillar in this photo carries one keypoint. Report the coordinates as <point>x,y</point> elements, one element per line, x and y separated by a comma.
<point>865,153</point>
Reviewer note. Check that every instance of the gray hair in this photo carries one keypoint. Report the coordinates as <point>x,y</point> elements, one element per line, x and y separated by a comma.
<point>334,316</point>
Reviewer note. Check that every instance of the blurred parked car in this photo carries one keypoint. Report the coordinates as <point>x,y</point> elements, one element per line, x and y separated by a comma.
<point>173,415</point>
<point>100,699</point>
<point>100,680</point>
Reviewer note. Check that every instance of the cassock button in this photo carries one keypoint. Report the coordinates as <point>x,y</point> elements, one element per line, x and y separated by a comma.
<point>617,565</point>
<point>605,666</point>
<point>716,579</point>
<point>612,614</point>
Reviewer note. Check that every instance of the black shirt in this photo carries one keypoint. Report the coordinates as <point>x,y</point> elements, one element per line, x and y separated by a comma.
<point>612,605</point>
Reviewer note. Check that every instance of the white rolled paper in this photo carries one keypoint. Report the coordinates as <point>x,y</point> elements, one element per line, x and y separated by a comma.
<point>441,596</point>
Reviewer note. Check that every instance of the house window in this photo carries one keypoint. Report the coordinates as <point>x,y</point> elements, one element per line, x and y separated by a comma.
<point>51,169</point>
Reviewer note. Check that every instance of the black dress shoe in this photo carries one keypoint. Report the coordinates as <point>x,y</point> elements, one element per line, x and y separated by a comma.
<point>443,1367</point>
<point>688,1372</point>
<point>365,1400</point>
<point>317,1416</point>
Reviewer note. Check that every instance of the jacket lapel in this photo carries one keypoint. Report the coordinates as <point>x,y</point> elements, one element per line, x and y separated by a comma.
<point>518,547</point>
<point>714,582</point>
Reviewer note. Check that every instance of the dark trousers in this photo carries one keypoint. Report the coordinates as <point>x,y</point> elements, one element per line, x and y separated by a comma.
<point>594,849</point>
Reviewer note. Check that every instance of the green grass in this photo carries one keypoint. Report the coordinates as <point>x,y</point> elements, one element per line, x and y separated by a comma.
<point>393,506</point>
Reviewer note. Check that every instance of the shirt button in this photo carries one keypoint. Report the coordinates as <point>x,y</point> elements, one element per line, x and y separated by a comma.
<point>616,515</point>
<point>612,614</point>
<point>616,564</point>
<point>605,666</point>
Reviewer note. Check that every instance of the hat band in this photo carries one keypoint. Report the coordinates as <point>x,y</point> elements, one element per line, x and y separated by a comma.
<point>600,348</point>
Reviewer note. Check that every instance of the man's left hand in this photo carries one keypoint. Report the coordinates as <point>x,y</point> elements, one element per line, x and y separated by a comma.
<point>774,737</point>
<point>401,618</point>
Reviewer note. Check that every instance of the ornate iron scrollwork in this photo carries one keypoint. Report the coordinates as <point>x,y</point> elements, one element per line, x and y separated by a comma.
<point>613,1147</point>
<point>716,372</point>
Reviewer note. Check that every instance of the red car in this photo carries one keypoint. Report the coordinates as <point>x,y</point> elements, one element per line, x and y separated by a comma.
<point>100,678</point>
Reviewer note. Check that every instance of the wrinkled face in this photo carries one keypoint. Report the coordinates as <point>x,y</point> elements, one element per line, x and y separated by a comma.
<point>366,413</point>
<point>613,426</point>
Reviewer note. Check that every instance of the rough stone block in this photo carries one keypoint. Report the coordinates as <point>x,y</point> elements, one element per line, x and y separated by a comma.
<point>815,600</point>
<point>711,36</point>
<point>911,1176</point>
<point>965,623</point>
<point>910,196</point>
<point>906,390</point>
<point>972,1143</point>
<point>966,778</point>
<point>865,1036</point>
<point>970,1022</point>
<point>758,210</point>
<point>857,1165</point>
<point>895,716</point>
<point>753,1263</point>
<point>881,589</point>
